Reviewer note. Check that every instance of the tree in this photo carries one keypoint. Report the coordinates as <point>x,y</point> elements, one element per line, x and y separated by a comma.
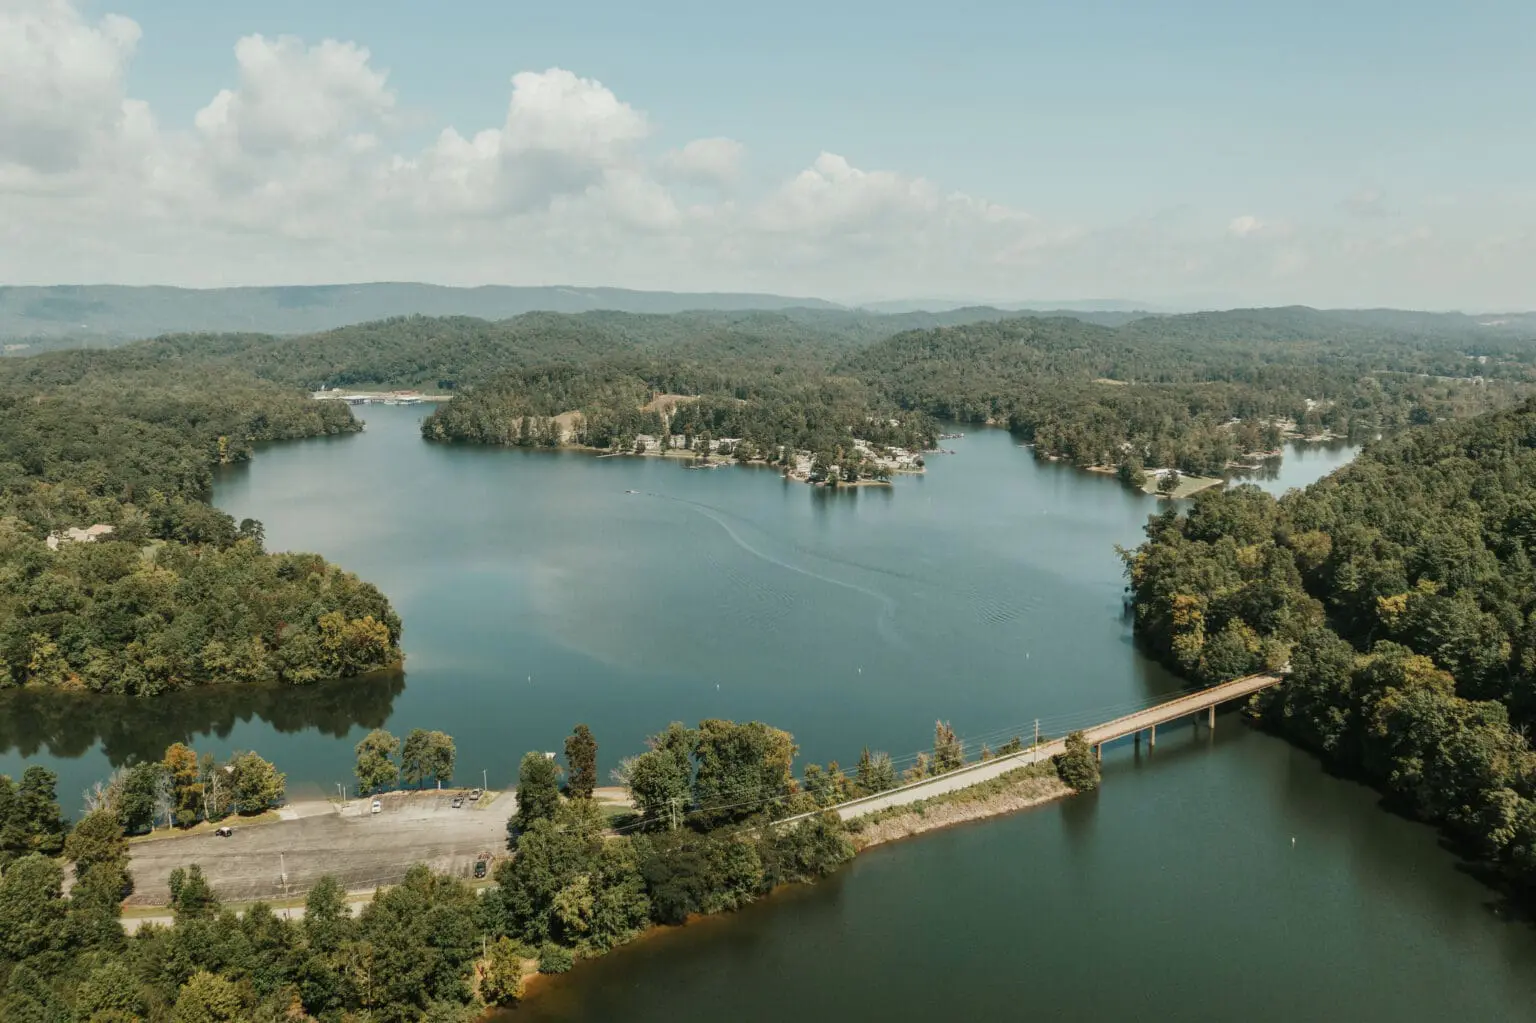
<point>1168,482</point>
<point>948,751</point>
<point>538,793</point>
<point>96,840</point>
<point>326,916</point>
<point>110,992</point>
<point>376,768</point>
<point>501,975</point>
<point>875,772</point>
<point>208,998</point>
<point>413,758</point>
<point>191,896</point>
<point>581,761</point>
<point>217,795</point>
<point>742,770</point>
<point>659,784</point>
<point>31,907</point>
<point>256,784</point>
<point>103,889</point>
<point>1076,767</point>
<point>1229,654</point>
<point>181,767</point>
<point>135,799</point>
<point>13,837</point>
<point>427,755</point>
<point>36,810</point>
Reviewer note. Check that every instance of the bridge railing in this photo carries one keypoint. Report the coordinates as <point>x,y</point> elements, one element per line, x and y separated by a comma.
<point>1034,754</point>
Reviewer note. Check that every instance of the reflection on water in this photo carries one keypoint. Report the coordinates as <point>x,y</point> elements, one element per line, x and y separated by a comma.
<point>539,589</point>
<point>1304,462</point>
<point>68,725</point>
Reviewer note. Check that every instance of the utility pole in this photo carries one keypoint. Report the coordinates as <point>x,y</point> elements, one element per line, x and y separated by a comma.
<point>1037,733</point>
<point>484,780</point>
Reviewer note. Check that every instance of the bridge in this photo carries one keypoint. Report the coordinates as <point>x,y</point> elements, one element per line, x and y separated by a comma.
<point>1188,705</point>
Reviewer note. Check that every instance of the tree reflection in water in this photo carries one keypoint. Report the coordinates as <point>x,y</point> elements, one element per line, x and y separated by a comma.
<point>69,725</point>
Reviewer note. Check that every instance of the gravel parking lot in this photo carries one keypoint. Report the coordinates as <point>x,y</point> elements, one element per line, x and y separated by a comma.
<point>361,849</point>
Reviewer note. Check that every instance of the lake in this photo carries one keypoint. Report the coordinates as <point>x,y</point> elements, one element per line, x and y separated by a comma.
<point>1222,876</point>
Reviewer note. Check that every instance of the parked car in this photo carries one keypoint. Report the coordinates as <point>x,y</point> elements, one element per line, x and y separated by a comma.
<point>224,832</point>
<point>458,801</point>
<point>474,794</point>
<point>377,806</point>
<point>482,864</point>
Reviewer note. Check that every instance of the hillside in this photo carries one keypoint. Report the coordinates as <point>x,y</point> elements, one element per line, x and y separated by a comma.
<point>1401,591</point>
<point>1195,392</point>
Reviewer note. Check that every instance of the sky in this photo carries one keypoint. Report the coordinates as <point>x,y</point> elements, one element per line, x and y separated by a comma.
<point>1176,154</point>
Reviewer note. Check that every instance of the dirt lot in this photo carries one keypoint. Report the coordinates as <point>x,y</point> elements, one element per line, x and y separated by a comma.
<point>361,849</point>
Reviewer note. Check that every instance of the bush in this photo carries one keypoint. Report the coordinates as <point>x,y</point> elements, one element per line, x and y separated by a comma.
<point>1076,767</point>
<point>555,958</point>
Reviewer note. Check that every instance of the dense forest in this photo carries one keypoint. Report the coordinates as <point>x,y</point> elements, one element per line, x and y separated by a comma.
<point>116,575</point>
<point>1191,392</point>
<point>429,948</point>
<point>763,413</point>
<point>1401,592</point>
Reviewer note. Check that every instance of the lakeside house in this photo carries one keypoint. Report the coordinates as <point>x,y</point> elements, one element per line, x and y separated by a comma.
<point>90,534</point>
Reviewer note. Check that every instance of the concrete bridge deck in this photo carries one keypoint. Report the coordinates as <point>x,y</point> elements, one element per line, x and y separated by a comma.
<point>1118,728</point>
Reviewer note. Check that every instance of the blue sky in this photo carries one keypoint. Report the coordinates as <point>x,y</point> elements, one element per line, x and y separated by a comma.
<point>1383,152</point>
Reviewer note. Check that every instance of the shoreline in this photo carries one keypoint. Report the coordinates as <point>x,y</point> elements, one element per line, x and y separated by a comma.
<point>1022,789</point>
<point>714,462</point>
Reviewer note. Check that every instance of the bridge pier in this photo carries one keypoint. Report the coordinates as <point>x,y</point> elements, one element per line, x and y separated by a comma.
<point>1212,717</point>
<point>1098,753</point>
<point>1152,737</point>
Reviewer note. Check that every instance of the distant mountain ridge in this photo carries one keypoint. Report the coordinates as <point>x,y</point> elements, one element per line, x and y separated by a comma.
<point>113,313</point>
<point>68,316</point>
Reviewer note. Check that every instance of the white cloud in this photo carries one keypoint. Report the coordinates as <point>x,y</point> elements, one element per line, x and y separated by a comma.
<point>61,83</point>
<point>563,136</point>
<point>296,173</point>
<point>556,112</point>
<point>293,96</point>
<point>1245,226</point>
<point>715,161</point>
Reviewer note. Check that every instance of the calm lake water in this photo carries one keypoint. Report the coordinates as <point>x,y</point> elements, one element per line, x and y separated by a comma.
<point>537,592</point>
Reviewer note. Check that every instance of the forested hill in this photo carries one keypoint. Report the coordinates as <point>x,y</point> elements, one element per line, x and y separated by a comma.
<point>1194,392</point>
<point>450,352</point>
<point>1402,593</point>
<point>166,592</point>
